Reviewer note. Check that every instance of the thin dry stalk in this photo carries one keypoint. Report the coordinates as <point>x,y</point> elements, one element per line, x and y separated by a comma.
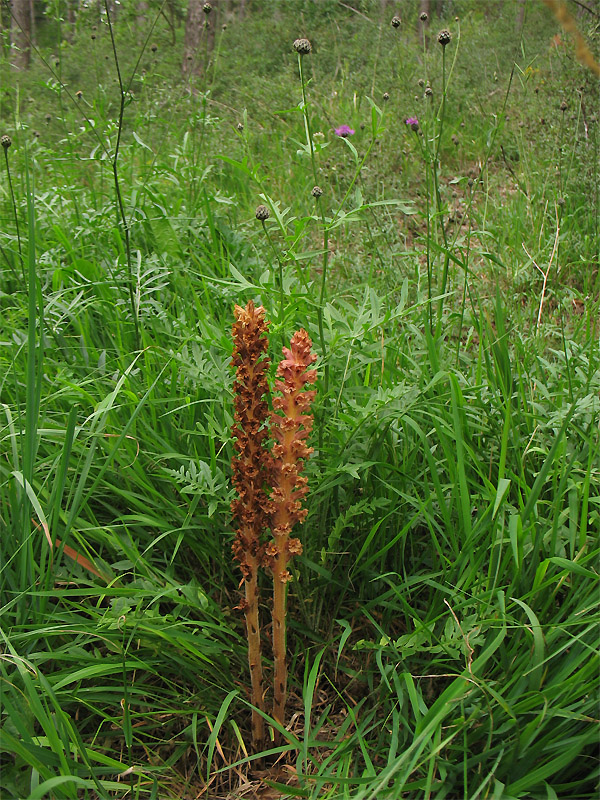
<point>544,274</point>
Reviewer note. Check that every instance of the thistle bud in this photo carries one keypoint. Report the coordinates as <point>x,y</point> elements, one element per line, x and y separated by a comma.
<point>444,38</point>
<point>303,47</point>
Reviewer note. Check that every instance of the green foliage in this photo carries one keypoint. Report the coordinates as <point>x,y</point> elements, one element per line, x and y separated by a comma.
<point>443,617</point>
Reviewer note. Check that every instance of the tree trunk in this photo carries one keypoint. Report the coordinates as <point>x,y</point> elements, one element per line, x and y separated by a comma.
<point>72,12</point>
<point>191,40</point>
<point>141,21</point>
<point>199,39</point>
<point>520,18</point>
<point>20,34</point>
<point>142,10</point>
<point>423,24</point>
<point>213,22</point>
<point>32,37</point>
<point>113,8</point>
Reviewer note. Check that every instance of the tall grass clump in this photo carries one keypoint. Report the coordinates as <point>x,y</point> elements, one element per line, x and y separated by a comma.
<point>436,633</point>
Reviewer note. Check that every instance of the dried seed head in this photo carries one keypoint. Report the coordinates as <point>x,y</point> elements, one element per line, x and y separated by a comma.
<point>302,46</point>
<point>262,213</point>
<point>79,94</point>
<point>561,201</point>
<point>240,126</point>
<point>154,48</point>
<point>316,191</point>
<point>386,96</point>
<point>563,106</point>
<point>455,140</point>
<point>423,16</point>
<point>444,37</point>
<point>6,142</point>
<point>207,8</point>
<point>421,82</point>
<point>396,22</point>
<point>428,91</point>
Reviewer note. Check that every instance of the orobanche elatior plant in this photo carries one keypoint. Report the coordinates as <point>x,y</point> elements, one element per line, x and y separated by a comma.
<point>270,452</point>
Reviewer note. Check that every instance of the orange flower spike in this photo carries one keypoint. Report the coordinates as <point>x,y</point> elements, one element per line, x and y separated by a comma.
<point>289,432</point>
<point>251,467</point>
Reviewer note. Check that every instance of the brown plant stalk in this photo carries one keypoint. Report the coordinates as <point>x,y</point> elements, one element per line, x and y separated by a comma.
<point>289,432</point>
<point>251,468</point>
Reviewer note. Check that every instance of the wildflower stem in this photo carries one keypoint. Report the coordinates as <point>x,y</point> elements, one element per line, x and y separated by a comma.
<point>438,199</point>
<point>120,207</point>
<point>426,159</point>
<point>14,206</point>
<point>325,263</point>
<point>280,265</point>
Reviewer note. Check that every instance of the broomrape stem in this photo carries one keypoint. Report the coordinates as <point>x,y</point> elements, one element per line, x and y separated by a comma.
<point>254,651</point>
<point>251,468</point>
<point>290,432</point>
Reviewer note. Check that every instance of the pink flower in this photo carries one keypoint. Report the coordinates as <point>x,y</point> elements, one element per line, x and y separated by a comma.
<point>413,122</point>
<point>344,131</point>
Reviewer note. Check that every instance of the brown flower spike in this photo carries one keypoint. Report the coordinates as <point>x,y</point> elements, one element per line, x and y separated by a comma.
<point>255,469</point>
<point>251,470</point>
<point>289,432</point>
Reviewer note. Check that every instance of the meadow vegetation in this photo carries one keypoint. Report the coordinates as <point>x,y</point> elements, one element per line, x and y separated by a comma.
<point>442,625</point>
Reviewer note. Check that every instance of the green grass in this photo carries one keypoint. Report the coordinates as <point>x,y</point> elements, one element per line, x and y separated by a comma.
<point>443,619</point>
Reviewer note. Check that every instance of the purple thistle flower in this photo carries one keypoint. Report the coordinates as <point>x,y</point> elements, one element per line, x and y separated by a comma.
<point>413,122</point>
<point>344,131</point>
